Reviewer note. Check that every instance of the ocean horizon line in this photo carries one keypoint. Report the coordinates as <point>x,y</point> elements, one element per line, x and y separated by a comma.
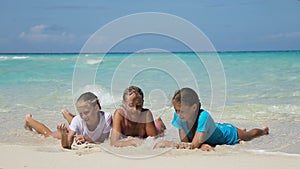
<point>246,51</point>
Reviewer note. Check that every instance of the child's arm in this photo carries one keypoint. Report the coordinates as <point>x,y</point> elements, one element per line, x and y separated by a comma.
<point>150,126</point>
<point>182,145</point>
<point>116,133</point>
<point>183,136</point>
<point>67,139</point>
<point>198,140</point>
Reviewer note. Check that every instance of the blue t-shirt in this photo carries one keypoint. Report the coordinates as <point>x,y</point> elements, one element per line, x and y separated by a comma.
<point>216,133</point>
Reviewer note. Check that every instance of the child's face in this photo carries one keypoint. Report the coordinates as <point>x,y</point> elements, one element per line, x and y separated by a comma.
<point>134,104</point>
<point>185,112</point>
<point>87,111</point>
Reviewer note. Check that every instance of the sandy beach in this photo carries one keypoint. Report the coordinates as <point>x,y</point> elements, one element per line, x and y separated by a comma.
<point>20,156</point>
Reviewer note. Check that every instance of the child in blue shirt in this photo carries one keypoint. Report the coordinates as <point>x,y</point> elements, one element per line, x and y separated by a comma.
<point>197,129</point>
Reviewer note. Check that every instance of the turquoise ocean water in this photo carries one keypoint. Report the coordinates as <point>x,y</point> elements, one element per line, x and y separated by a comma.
<point>262,88</point>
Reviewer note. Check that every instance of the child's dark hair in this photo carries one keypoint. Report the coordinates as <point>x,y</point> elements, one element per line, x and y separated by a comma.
<point>187,96</point>
<point>89,97</point>
<point>132,90</point>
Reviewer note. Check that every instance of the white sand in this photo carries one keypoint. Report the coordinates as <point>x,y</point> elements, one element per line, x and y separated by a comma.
<point>20,156</point>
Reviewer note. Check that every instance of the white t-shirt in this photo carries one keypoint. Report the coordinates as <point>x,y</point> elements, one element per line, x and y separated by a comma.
<point>78,125</point>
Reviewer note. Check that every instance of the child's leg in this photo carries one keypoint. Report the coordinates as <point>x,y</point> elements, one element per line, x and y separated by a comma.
<point>249,135</point>
<point>67,115</point>
<point>40,128</point>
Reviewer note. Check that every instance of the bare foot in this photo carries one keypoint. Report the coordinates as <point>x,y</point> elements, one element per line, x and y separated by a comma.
<point>160,125</point>
<point>67,115</point>
<point>266,130</point>
<point>26,124</point>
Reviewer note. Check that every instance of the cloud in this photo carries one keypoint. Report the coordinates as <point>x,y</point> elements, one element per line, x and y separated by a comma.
<point>39,33</point>
<point>284,35</point>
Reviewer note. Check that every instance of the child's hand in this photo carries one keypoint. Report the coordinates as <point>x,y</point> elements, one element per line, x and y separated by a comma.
<point>184,145</point>
<point>136,141</point>
<point>206,147</point>
<point>80,139</point>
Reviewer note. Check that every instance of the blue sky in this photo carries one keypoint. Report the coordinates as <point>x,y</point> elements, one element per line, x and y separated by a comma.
<point>231,25</point>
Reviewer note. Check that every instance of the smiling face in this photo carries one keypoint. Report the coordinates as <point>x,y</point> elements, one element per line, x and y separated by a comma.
<point>133,105</point>
<point>186,104</point>
<point>87,111</point>
<point>184,111</point>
